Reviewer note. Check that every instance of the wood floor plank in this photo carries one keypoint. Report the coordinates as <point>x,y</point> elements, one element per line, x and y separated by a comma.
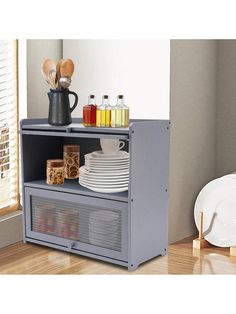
<point>28,258</point>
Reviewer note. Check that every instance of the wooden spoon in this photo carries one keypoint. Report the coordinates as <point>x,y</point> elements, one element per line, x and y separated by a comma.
<point>58,76</point>
<point>67,68</point>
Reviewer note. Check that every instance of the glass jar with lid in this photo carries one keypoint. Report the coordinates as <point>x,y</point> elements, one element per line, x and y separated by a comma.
<point>71,155</point>
<point>55,171</point>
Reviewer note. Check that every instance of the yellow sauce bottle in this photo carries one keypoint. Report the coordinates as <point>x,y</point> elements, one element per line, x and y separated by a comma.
<point>107,111</point>
<point>119,106</point>
<point>113,116</point>
<point>101,114</point>
<point>125,117</point>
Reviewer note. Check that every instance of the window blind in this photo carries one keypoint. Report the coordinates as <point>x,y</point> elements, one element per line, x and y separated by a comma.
<point>9,179</point>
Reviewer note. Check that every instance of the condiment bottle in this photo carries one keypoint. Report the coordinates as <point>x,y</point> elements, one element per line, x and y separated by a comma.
<point>113,116</point>
<point>124,115</point>
<point>55,171</point>
<point>101,113</point>
<point>108,108</point>
<point>71,154</point>
<point>118,109</point>
<point>89,112</point>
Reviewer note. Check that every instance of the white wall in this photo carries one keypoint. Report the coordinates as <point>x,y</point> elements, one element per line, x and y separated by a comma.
<point>139,69</point>
<point>37,51</point>
<point>193,129</point>
<point>226,107</point>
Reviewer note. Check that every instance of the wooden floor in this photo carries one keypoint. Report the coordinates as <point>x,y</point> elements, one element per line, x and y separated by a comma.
<point>27,258</point>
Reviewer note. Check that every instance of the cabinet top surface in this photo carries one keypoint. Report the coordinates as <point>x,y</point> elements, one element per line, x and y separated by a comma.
<point>76,126</point>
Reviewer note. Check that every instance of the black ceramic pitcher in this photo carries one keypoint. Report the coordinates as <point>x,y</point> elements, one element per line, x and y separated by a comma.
<point>59,107</point>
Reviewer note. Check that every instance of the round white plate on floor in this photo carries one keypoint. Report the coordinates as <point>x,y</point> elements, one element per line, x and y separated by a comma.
<point>217,200</point>
<point>231,176</point>
<point>105,190</point>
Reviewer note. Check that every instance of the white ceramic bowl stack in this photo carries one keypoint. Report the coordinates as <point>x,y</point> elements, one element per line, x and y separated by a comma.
<point>105,173</point>
<point>104,229</point>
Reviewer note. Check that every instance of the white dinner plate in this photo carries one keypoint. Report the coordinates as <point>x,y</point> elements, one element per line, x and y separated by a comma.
<point>217,200</point>
<point>103,173</point>
<point>110,158</point>
<point>110,169</point>
<point>105,190</point>
<point>106,163</point>
<point>109,180</point>
<point>104,185</point>
<point>100,154</point>
<point>105,178</point>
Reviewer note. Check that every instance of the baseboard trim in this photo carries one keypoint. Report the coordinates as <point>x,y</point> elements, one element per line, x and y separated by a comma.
<point>11,228</point>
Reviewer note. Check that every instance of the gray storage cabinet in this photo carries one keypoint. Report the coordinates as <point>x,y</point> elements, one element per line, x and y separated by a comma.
<point>62,216</point>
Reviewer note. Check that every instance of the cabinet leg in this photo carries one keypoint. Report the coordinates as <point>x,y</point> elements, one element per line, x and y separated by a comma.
<point>132,267</point>
<point>164,252</point>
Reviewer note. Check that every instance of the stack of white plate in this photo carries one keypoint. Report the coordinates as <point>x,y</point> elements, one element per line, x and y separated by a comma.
<point>104,229</point>
<point>105,173</point>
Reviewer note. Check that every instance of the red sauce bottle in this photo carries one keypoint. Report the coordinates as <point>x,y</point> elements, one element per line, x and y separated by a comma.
<point>89,112</point>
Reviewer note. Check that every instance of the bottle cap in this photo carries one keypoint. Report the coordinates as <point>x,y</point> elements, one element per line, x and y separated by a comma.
<point>92,96</point>
<point>105,96</point>
<point>120,96</point>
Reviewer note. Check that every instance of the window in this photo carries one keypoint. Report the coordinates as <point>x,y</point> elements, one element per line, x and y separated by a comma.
<point>9,142</point>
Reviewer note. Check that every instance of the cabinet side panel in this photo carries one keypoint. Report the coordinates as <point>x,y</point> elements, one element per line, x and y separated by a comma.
<point>149,172</point>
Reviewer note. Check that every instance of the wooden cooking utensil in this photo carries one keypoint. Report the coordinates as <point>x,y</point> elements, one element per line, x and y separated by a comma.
<point>67,68</point>
<point>48,67</point>
<point>58,76</point>
<point>52,78</point>
<point>200,242</point>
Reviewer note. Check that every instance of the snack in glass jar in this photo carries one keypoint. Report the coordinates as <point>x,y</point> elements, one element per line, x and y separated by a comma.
<point>71,156</point>
<point>55,171</point>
